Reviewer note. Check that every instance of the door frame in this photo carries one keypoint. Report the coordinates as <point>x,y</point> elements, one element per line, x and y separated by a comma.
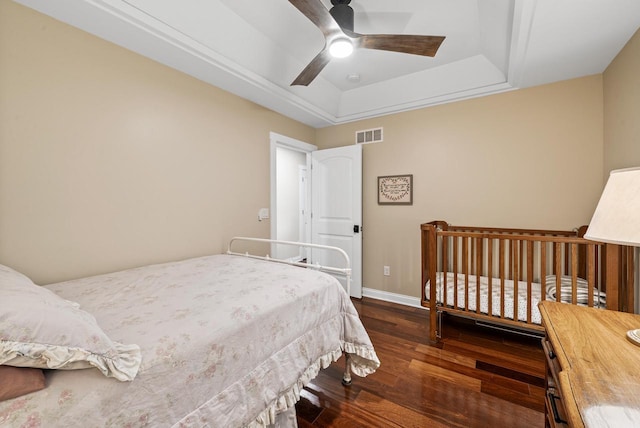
<point>303,207</point>
<point>288,143</point>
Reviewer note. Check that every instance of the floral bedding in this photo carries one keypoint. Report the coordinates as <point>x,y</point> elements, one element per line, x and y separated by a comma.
<point>226,341</point>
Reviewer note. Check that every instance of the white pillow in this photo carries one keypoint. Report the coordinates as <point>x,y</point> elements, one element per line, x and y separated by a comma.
<point>40,329</point>
<point>566,280</point>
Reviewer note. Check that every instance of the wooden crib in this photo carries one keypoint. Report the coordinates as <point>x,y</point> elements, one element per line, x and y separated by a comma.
<point>498,276</point>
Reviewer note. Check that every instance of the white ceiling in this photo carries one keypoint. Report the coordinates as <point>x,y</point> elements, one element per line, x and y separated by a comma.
<point>255,48</point>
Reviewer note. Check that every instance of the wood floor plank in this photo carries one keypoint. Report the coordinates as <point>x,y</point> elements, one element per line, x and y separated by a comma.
<point>485,353</point>
<point>395,413</point>
<point>525,400</point>
<point>459,406</point>
<point>473,378</point>
<point>400,347</point>
<point>414,335</point>
<point>509,373</point>
<point>339,412</point>
<point>406,319</point>
<point>445,375</point>
<point>507,378</point>
<point>346,417</point>
<point>433,352</point>
<point>481,375</point>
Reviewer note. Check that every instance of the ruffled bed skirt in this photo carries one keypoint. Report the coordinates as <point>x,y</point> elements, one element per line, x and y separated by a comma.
<point>362,361</point>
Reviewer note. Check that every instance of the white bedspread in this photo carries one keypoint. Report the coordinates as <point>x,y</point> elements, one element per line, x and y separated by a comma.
<point>226,341</point>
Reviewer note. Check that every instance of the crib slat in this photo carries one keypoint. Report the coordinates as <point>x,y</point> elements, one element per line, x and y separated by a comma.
<point>455,272</point>
<point>543,271</point>
<point>490,275</point>
<point>591,274</point>
<point>502,275</point>
<point>516,277</point>
<point>574,274</point>
<point>529,276</point>
<point>557,269</point>
<point>478,269</point>
<point>465,271</point>
<point>445,268</point>
<point>521,261</point>
<point>612,256</point>
<point>510,265</point>
<point>599,281</point>
<point>630,283</point>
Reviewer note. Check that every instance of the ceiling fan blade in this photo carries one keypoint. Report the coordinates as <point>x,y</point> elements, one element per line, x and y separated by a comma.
<point>314,68</point>
<point>319,15</point>
<point>416,45</point>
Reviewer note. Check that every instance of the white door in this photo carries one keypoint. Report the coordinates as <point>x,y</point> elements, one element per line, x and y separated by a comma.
<point>336,206</point>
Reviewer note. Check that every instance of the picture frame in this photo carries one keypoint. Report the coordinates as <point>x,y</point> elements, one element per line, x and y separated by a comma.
<point>395,189</point>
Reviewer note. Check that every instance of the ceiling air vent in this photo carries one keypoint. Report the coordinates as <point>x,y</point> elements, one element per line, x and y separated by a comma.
<point>369,136</point>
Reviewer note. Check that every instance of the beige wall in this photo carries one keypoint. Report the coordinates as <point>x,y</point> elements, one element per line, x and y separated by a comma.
<point>622,109</point>
<point>109,160</point>
<point>528,158</point>
<point>622,118</point>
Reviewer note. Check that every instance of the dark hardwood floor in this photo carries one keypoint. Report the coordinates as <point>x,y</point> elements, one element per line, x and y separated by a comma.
<point>474,377</point>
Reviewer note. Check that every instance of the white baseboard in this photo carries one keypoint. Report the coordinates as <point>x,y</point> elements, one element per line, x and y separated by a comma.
<point>400,299</point>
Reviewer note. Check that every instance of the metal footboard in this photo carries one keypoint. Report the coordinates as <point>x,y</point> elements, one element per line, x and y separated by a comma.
<point>344,271</point>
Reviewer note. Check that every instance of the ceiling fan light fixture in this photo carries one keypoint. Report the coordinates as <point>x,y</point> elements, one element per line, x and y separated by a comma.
<point>341,48</point>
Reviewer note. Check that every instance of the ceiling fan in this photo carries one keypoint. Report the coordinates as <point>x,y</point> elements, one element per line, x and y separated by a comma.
<point>340,39</point>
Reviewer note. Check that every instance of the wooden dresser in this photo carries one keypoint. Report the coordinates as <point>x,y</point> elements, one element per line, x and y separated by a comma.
<point>593,370</point>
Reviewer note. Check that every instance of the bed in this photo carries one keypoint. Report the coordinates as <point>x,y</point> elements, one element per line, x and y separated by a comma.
<point>217,341</point>
<point>497,276</point>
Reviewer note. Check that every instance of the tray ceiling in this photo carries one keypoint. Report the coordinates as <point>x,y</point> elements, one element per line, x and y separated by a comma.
<point>255,49</point>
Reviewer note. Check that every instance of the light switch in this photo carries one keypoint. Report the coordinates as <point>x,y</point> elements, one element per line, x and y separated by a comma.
<point>263,214</point>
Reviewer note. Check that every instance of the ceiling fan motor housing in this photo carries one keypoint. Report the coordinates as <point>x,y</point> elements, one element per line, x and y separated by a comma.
<point>342,13</point>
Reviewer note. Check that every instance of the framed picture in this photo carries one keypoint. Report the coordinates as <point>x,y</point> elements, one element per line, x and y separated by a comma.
<point>395,190</point>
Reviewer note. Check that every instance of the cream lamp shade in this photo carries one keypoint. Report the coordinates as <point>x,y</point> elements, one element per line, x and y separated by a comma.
<point>616,219</point>
<point>617,216</point>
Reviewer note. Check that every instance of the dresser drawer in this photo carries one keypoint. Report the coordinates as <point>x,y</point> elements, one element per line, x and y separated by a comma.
<point>554,407</point>
<point>556,414</point>
<point>553,366</point>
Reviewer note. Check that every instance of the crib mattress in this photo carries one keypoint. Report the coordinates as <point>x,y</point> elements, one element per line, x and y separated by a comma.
<point>484,298</point>
<point>509,293</point>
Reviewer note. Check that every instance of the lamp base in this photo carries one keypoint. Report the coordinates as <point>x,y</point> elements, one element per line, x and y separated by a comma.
<point>634,336</point>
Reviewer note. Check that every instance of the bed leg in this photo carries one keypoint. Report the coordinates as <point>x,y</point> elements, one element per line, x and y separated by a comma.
<point>346,377</point>
<point>439,326</point>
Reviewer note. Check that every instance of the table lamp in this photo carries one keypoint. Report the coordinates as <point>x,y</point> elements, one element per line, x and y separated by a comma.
<point>616,219</point>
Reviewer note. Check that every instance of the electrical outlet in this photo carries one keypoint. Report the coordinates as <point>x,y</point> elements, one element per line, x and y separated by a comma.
<point>386,270</point>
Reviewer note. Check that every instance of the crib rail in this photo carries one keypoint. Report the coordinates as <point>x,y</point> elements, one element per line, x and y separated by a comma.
<point>526,259</point>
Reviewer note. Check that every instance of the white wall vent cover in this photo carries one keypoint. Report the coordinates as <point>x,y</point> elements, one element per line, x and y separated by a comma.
<point>369,136</point>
